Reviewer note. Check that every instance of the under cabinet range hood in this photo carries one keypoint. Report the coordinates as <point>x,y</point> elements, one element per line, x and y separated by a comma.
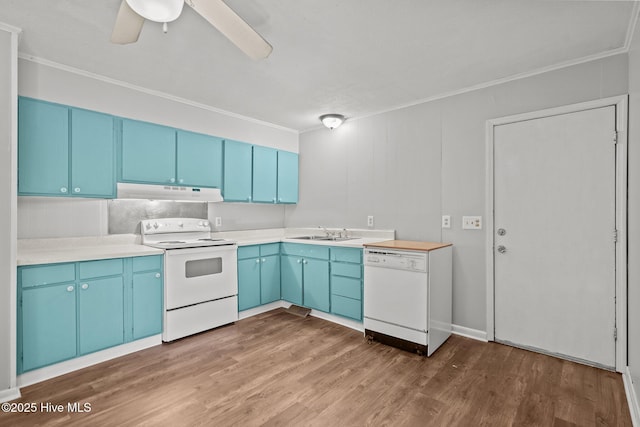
<point>168,192</point>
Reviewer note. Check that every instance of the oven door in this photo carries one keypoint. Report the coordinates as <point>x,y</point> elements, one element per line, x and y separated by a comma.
<point>197,275</point>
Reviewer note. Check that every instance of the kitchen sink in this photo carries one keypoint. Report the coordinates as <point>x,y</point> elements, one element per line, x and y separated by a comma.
<point>324,238</point>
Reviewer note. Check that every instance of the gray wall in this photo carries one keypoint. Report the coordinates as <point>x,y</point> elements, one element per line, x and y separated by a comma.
<point>410,166</point>
<point>634,212</point>
<point>7,213</point>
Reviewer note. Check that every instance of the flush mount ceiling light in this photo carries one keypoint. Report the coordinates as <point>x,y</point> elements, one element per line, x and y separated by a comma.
<point>332,121</point>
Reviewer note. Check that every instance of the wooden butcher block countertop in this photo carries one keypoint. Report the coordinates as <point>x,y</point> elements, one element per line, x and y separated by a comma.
<point>408,245</point>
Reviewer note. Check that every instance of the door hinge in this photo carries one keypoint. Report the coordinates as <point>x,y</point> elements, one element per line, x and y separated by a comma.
<point>615,136</point>
<point>615,334</point>
<point>615,236</point>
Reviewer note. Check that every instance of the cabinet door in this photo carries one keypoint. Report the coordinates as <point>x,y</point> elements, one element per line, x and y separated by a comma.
<point>291,284</point>
<point>199,160</point>
<point>92,154</point>
<point>269,279</point>
<point>248,283</point>
<point>287,177</point>
<point>265,167</point>
<point>101,313</point>
<point>316,284</point>
<point>43,148</point>
<point>148,153</point>
<point>147,304</point>
<point>237,171</point>
<point>48,318</point>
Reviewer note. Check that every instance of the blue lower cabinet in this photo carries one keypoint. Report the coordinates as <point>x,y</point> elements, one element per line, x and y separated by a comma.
<point>72,309</point>
<point>47,332</point>
<point>316,284</point>
<point>258,275</point>
<point>248,283</point>
<point>291,278</point>
<point>346,282</point>
<point>147,303</point>
<point>101,314</point>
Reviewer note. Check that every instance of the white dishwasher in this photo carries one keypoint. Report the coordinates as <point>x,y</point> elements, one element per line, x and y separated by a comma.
<point>407,295</point>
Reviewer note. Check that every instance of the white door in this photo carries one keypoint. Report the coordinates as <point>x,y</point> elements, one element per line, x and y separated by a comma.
<point>554,215</point>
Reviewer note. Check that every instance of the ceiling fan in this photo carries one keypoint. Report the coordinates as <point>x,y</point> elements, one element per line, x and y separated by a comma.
<point>132,14</point>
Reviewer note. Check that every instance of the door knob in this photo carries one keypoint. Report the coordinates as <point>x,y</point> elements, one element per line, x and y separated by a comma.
<point>501,231</point>
<point>502,249</point>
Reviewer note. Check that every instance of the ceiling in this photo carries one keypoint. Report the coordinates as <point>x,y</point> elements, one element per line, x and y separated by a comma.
<point>354,57</point>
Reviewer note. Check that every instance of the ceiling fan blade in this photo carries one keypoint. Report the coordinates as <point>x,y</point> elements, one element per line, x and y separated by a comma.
<point>233,27</point>
<point>128,25</point>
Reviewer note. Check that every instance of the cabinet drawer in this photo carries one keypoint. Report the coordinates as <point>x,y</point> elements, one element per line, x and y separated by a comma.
<point>245,252</point>
<point>347,307</point>
<point>147,263</point>
<point>106,267</point>
<point>270,249</point>
<point>346,287</point>
<point>311,251</point>
<point>350,270</point>
<point>346,255</point>
<point>47,274</point>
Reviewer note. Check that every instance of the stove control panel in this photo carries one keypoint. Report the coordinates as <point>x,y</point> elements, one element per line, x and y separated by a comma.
<point>174,225</point>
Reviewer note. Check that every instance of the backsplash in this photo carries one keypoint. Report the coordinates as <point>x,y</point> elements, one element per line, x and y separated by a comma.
<point>124,215</point>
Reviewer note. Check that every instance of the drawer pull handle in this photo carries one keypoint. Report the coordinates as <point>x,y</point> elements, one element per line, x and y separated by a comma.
<point>85,286</point>
<point>69,288</point>
<point>157,275</point>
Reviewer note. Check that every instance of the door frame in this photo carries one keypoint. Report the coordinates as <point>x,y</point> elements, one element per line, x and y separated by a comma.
<point>621,104</point>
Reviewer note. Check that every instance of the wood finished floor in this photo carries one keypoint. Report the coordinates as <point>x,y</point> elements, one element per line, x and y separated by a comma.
<point>277,369</point>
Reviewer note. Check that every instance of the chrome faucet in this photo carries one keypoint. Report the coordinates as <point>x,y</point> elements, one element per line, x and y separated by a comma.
<point>327,232</point>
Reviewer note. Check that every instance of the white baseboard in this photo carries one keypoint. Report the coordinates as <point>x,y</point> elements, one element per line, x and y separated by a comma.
<point>9,394</point>
<point>65,367</point>
<point>632,397</point>
<point>261,309</point>
<point>469,333</point>
<point>353,324</point>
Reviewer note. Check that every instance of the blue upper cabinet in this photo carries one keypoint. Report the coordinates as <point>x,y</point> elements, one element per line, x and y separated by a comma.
<point>148,153</point>
<point>92,154</point>
<point>43,148</point>
<point>287,177</point>
<point>64,151</point>
<point>265,166</point>
<point>199,160</point>
<point>237,171</point>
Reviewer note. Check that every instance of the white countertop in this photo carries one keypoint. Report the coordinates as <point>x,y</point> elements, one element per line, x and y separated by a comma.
<point>49,251</point>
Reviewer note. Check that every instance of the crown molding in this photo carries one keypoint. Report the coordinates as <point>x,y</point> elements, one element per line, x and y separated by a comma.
<point>160,94</point>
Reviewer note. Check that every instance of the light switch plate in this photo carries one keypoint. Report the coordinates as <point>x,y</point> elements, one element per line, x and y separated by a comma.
<point>446,221</point>
<point>370,221</point>
<point>218,221</point>
<point>472,222</point>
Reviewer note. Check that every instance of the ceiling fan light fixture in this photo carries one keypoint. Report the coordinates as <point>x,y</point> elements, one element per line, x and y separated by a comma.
<point>157,10</point>
<point>332,121</point>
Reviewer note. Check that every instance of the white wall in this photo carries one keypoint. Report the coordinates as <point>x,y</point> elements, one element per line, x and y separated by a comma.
<point>410,166</point>
<point>56,217</point>
<point>8,58</point>
<point>633,306</point>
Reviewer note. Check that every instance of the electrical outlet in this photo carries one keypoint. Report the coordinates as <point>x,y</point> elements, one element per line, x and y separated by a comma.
<point>370,221</point>
<point>446,221</point>
<point>218,221</point>
<point>472,222</point>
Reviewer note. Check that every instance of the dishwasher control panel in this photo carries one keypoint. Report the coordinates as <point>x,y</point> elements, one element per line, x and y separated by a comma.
<point>400,260</point>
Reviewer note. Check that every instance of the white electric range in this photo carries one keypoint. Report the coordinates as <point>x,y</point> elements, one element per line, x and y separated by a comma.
<point>200,275</point>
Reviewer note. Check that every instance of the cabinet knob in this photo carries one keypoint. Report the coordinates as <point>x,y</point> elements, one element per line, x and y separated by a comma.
<point>280,199</point>
<point>157,275</point>
<point>249,199</point>
<point>63,189</point>
<point>257,261</point>
<point>76,190</point>
<point>274,200</point>
<point>85,286</point>
<point>299,261</point>
<point>172,180</point>
<point>181,180</point>
<point>264,260</point>
<point>69,288</point>
<point>305,262</point>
